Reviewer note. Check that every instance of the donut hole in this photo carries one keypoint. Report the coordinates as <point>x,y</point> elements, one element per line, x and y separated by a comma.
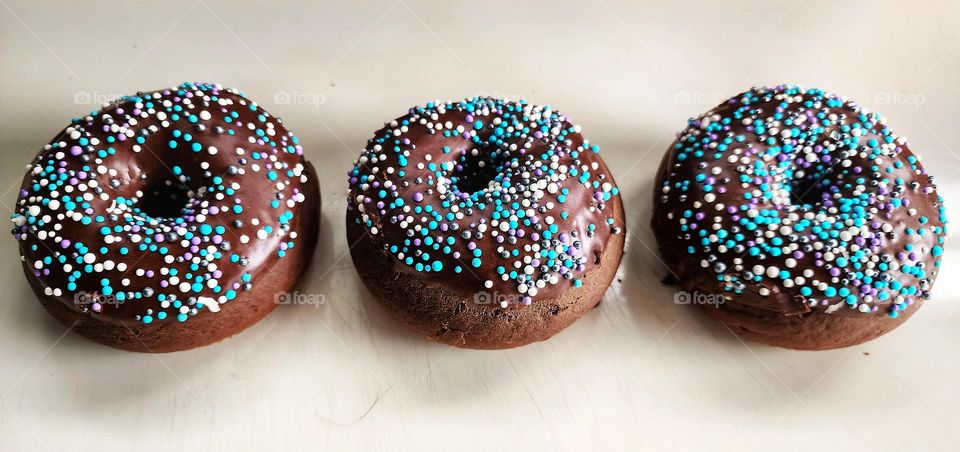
<point>165,198</point>
<point>475,170</point>
<point>821,186</point>
<point>812,189</point>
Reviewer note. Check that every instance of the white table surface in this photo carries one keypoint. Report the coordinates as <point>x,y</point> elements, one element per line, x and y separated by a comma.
<point>638,372</point>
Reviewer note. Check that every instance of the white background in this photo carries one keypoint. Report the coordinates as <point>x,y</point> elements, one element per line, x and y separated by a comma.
<point>638,372</point>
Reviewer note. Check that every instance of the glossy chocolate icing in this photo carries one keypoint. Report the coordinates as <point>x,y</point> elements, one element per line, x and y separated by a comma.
<point>814,192</point>
<point>513,158</point>
<point>186,195</point>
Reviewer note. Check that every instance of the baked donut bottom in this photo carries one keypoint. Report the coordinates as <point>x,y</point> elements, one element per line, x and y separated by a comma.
<point>247,308</point>
<point>802,329</point>
<point>814,330</point>
<point>465,320</point>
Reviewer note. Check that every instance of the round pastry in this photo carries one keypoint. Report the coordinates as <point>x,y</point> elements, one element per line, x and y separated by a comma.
<point>167,220</point>
<point>484,223</point>
<point>799,219</point>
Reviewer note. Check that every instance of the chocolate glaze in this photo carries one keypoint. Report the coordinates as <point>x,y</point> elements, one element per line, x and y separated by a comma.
<point>867,254</point>
<point>424,139</point>
<point>190,192</point>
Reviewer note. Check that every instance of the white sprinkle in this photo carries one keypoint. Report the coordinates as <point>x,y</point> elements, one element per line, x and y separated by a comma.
<point>210,303</point>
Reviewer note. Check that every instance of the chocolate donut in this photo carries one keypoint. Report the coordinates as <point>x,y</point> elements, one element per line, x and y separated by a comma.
<point>167,220</point>
<point>799,219</point>
<point>484,223</point>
